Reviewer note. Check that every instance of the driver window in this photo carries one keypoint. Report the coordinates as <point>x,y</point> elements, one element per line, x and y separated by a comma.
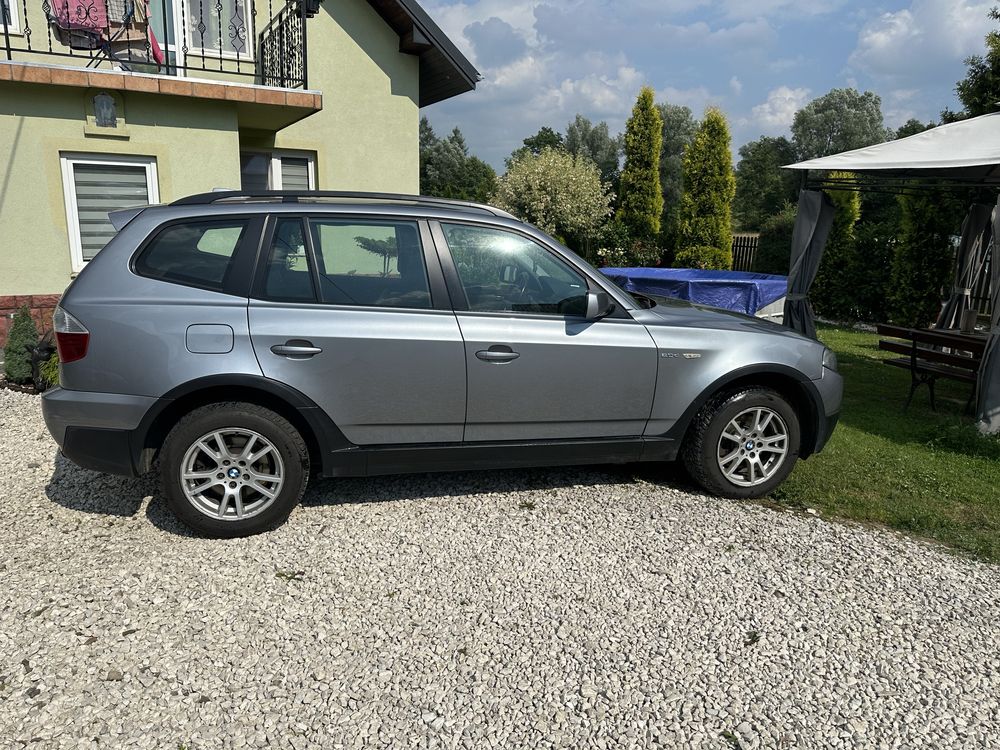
<point>502,271</point>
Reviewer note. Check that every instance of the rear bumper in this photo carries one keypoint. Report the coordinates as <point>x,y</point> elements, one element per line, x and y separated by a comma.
<point>94,430</point>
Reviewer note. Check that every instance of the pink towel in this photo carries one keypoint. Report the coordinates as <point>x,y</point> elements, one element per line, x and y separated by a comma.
<point>85,15</point>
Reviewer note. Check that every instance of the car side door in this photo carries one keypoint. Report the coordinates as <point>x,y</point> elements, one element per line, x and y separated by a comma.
<point>537,368</point>
<point>353,313</point>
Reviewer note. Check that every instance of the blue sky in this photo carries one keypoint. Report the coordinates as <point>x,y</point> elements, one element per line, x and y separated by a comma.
<point>759,60</point>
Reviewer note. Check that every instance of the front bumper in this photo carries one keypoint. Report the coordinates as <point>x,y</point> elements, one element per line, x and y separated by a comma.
<point>94,430</point>
<point>830,388</point>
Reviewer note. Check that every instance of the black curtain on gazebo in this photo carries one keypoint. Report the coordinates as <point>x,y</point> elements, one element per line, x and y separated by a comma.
<point>977,230</point>
<point>812,228</point>
<point>988,387</point>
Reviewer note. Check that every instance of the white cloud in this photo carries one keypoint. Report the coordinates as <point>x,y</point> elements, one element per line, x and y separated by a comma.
<point>736,85</point>
<point>775,115</point>
<point>913,42</point>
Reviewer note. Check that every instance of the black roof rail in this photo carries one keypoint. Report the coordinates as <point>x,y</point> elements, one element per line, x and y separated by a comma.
<point>296,196</point>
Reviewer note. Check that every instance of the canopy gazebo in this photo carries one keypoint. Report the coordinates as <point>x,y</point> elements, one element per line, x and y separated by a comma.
<point>956,156</point>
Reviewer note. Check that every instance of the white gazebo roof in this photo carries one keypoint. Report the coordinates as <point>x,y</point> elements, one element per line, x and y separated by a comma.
<point>964,150</point>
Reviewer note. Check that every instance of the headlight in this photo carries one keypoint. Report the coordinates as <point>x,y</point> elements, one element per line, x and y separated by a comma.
<point>830,359</point>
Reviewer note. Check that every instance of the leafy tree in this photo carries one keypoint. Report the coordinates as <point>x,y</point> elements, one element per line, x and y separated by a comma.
<point>545,138</point>
<point>833,292</point>
<point>641,202</point>
<point>679,127</point>
<point>774,248</point>
<point>841,120</point>
<point>923,258</point>
<point>22,338</point>
<point>448,171</point>
<point>557,192</point>
<point>594,142</point>
<point>979,91</point>
<point>912,127</point>
<point>762,186</point>
<point>709,186</point>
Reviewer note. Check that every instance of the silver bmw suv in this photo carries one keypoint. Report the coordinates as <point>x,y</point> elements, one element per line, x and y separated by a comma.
<point>242,342</point>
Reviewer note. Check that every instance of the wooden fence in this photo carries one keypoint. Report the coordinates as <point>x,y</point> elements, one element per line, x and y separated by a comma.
<point>744,250</point>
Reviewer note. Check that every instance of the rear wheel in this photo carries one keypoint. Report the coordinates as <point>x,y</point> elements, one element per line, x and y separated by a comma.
<point>233,469</point>
<point>743,444</point>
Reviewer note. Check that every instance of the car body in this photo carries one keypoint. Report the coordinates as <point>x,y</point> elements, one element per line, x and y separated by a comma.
<point>399,334</point>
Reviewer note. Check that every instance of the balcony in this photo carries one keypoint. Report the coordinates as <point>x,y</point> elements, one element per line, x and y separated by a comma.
<point>214,39</point>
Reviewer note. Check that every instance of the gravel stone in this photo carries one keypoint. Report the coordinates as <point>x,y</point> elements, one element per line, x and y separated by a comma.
<point>585,607</point>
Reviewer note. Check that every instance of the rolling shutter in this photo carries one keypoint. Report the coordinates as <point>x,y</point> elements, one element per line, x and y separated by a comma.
<point>294,173</point>
<point>99,189</point>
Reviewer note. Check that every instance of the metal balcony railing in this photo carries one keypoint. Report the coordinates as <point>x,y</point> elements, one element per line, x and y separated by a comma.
<point>203,38</point>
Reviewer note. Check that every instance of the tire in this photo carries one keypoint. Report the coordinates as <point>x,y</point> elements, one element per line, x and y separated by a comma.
<point>749,471</point>
<point>255,483</point>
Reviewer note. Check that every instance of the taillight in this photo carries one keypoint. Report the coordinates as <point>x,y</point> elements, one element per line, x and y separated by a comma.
<point>71,336</point>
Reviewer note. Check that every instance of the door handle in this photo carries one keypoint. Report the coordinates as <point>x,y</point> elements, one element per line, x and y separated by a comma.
<point>296,348</point>
<point>499,354</point>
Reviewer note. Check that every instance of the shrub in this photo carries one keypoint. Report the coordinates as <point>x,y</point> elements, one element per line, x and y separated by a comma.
<point>704,257</point>
<point>617,249</point>
<point>774,249</point>
<point>22,338</point>
<point>557,192</point>
<point>49,371</point>
<point>923,258</point>
<point>834,292</point>
<point>705,213</point>
<point>641,201</point>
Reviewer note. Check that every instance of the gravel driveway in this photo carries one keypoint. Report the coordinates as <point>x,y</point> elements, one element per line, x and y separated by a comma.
<point>561,608</point>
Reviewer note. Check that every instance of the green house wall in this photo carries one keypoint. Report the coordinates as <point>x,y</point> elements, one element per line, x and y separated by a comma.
<point>364,138</point>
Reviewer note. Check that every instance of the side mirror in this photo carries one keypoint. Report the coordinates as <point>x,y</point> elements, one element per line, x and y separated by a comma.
<point>599,305</point>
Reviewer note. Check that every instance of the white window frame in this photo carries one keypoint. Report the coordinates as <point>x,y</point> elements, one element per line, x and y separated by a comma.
<point>67,162</point>
<point>274,168</point>
<point>14,24</point>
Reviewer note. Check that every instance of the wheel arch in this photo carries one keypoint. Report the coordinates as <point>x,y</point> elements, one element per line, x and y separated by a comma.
<point>790,383</point>
<point>317,429</point>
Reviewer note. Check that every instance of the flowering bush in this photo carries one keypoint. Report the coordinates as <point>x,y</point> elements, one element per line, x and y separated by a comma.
<point>557,192</point>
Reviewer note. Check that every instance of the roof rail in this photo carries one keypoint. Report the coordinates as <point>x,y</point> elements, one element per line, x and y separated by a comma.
<point>297,196</point>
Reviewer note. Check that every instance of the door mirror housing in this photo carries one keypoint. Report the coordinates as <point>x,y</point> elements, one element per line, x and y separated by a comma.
<point>599,305</point>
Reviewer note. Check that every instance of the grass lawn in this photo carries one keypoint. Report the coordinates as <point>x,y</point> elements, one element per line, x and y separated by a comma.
<point>923,472</point>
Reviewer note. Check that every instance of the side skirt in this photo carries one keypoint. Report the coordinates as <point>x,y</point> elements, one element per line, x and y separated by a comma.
<point>408,459</point>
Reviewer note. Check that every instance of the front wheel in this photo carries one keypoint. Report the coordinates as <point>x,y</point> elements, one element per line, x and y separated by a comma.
<point>233,469</point>
<point>743,444</point>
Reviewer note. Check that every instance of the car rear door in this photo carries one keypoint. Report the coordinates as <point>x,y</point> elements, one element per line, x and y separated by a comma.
<point>537,369</point>
<point>353,312</point>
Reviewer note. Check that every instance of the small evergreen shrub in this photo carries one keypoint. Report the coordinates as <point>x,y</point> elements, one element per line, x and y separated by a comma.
<point>774,249</point>
<point>22,338</point>
<point>704,257</point>
<point>49,371</point>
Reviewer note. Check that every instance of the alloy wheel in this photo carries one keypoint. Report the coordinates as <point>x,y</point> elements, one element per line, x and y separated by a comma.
<point>753,446</point>
<point>232,473</point>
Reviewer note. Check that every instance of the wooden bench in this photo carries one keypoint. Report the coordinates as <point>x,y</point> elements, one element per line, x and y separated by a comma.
<point>930,355</point>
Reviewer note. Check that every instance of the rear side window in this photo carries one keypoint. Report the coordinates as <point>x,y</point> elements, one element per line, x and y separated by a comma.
<point>380,264</point>
<point>287,276</point>
<point>197,253</point>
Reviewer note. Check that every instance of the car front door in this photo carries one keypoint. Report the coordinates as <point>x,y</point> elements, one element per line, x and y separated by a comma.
<point>537,368</point>
<point>350,313</point>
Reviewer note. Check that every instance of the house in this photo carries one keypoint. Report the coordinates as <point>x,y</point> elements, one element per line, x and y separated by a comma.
<point>106,104</point>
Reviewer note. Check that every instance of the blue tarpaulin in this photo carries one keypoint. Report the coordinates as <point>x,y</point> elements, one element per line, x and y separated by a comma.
<point>731,290</point>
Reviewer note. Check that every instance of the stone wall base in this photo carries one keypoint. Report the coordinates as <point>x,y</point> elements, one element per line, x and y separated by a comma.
<point>40,305</point>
